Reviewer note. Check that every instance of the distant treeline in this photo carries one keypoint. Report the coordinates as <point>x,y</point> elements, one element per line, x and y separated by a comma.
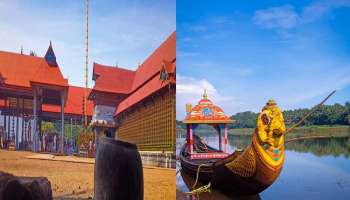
<point>336,114</point>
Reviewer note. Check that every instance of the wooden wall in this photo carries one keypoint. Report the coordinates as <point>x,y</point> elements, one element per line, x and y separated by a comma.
<point>151,123</point>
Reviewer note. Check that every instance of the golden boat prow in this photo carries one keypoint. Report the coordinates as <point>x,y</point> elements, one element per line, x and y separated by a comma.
<point>244,172</point>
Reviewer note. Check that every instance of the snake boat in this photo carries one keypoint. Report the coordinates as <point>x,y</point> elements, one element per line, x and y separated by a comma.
<point>247,171</point>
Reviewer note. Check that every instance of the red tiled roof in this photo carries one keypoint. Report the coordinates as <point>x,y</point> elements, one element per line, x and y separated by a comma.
<point>152,86</point>
<point>169,67</point>
<point>142,82</point>
<point>112,79</point>
<point>21,70</point>
<point>165,52</point>
<point>74,104</point>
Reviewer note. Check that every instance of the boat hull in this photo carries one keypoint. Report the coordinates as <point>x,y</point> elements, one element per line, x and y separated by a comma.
<point>244,172</point>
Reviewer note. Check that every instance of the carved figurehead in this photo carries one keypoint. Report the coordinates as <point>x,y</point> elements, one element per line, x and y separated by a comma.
<point>269,134</point>
<point>270,125</point>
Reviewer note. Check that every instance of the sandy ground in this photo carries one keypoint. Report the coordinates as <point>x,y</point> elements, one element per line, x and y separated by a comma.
<point>75,180</point>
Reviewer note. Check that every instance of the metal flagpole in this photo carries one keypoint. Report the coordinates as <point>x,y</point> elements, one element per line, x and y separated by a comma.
<point>86,62</point>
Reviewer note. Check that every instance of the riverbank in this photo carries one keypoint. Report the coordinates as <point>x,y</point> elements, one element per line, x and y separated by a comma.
<point>335,131</point>
<point>71,180</point>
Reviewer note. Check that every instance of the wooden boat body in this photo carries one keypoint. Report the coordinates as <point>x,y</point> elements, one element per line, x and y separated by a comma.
<point>214,193</point>
<point>243,172</point>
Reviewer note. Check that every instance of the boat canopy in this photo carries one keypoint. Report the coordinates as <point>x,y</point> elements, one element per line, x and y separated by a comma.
<point>205,112</point>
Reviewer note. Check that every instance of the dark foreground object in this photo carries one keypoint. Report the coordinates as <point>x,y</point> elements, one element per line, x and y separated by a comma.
<point>118,171</point>
<point>24,188</point>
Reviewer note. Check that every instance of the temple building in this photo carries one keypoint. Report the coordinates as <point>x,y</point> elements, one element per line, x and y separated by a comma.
<point>33,89</point>
<point>138,106</point>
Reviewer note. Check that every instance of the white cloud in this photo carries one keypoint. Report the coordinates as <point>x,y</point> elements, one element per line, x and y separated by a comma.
<point>286,17</point>
<point>190,90</point>
<point>318,9</point>
<point>276,17</point>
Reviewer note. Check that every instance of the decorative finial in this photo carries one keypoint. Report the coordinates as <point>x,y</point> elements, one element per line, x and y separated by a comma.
<point>50,56</point>
<point>188,108</point>
<point>271,102</point>
<point>21,49</point>
<point>205,95</point>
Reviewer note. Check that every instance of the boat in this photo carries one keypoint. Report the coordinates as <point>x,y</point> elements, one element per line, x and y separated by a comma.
<point>213,194</point>
<point>247,171</point>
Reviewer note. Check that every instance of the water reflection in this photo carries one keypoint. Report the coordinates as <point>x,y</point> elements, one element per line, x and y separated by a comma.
<point>313,169</point>
<point>323,146</point>
<point>213,194</point>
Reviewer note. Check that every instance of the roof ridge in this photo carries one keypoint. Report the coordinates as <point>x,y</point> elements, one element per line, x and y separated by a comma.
<point>19,54</point>
<point>75,86</point>
<point>113,67</point>
<point>157,49</point>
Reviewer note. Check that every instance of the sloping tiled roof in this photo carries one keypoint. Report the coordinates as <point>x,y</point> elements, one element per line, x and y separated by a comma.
<point>74,104</point>
<point>22,70</point>
<point>147,78</point>
<point>165,52</point>
<point>112,79</point>
<point>140,83</point>
<point>152,86</point>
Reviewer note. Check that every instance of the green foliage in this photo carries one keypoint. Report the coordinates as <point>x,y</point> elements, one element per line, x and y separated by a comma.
<point>48,127</point>
<point>244,120</point>
<point>70,131</point>
<point>336,114</point>
<point>32,53</point>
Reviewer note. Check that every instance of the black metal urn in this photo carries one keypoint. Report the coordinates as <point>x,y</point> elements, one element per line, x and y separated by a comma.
<point>118,171</point>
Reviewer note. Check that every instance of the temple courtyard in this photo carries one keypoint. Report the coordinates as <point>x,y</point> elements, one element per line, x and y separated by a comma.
<point>73,178</point>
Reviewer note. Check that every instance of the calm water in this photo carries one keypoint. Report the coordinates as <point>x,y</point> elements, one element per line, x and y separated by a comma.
<point>313,169</point>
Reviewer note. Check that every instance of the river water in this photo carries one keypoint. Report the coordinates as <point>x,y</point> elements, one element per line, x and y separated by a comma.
<point>313,169</point>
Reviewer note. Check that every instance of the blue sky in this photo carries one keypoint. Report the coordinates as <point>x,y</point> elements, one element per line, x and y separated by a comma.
<point>295,52</point>
<point>123,32</point>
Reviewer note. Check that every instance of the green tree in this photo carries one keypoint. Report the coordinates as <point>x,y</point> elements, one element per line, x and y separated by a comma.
<point>48,127</point>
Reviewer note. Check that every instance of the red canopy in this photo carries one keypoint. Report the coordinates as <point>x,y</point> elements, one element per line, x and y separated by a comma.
<point>207,113</point>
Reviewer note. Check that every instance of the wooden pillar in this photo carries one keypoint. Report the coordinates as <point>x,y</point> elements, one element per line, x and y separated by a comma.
<point>5,124</point>
<point>9,125</point>
<point>22,114</point>
<point>17,121</point>
<point>219,133</point>
<point>191,138</point>
<point>96,131</point>
<point>62,122</point>
<point>40,145</point>
<point>225,142</point>
<point>34,135</point>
